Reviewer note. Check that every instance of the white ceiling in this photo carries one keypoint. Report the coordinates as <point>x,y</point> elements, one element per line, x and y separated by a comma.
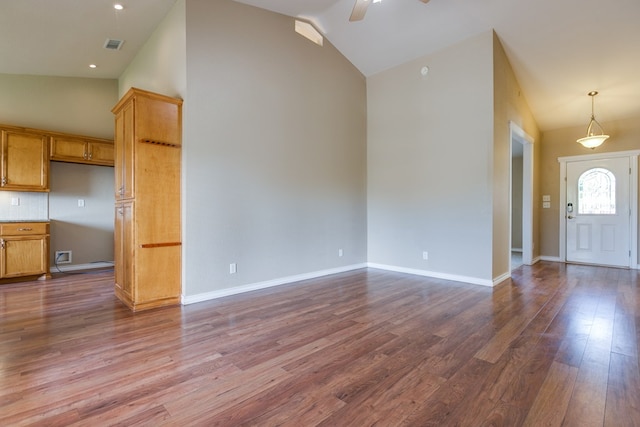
<point>62,37</point>
<point>559,49</point>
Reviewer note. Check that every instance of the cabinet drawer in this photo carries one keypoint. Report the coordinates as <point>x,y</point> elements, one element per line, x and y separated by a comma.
<point>23,228</point>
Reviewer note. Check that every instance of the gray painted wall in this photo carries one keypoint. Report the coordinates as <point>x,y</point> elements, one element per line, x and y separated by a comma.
<point>274,146</point>
<point>516,202</point>
<point>429,161</point>
<point>88,230</point>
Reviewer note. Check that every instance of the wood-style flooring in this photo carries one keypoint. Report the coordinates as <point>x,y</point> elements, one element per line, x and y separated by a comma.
<point>555,345</point>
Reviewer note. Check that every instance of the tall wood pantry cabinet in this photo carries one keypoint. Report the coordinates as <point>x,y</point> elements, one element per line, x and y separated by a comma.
<point>148,139</point>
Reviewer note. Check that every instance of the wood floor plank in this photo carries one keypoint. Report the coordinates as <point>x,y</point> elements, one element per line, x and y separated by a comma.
<point>623,398</point>
<point>554,345</point>
<point>587,404</point>
<point>552,401</point>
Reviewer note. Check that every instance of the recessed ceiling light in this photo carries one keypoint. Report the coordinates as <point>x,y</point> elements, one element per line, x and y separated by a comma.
<point>93,66</point>
<point>118,6</point>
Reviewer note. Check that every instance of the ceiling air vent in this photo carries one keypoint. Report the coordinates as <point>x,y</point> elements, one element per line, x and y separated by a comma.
<point>113,44</point>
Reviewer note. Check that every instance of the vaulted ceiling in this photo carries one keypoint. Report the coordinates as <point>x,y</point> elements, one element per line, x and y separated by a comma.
<point>560,50</point>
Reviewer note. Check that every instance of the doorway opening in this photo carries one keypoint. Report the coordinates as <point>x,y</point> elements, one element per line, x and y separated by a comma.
<point>521,198</point>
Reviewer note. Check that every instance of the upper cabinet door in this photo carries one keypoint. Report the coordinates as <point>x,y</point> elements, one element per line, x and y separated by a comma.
<point>124,146</point>
<point>25,161</point>
<point>81,150</point>
<point>68,149</point>
<point>100,153</point>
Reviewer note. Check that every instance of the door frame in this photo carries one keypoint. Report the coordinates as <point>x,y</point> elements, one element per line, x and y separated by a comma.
<point>633,199</point>
<point>518,135</point>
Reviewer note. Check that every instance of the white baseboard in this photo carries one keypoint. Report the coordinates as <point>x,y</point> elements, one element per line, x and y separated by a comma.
<point>191,299</point>
<point>501,278</point>
<point>435,275</point>
<point>557,259</point>
<point>549,258</point>
<point>76,267</point>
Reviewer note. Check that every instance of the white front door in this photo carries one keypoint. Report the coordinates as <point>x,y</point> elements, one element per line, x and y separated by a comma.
<point>597,212</point>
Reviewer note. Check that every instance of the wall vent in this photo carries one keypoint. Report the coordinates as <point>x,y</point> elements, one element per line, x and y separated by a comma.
<point>113,44</point>
<point>63,257</point>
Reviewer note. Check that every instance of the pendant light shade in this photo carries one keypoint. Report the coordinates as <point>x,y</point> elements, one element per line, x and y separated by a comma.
<point>593,140</point>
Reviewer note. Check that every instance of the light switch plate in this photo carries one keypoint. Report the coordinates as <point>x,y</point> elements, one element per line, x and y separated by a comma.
<point>546,198</point>
<point>546,205</point>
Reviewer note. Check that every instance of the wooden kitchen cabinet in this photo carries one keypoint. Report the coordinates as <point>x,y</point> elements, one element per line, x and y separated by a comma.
<point>25,160</point>
<point>124,182</point>
<point>82,150</point>
<point>148,265</point>
<point>24,250</point>
<point>123,251</point>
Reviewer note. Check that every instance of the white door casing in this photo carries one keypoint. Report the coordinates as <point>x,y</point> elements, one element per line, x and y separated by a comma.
<point>602,239</point>
<point>598,234</point>
<point>518,135</point>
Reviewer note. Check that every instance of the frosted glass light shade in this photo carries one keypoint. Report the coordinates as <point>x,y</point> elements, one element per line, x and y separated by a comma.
<point>593,141</point>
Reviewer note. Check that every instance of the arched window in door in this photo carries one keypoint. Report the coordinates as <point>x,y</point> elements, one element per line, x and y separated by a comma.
<point>597,192</point>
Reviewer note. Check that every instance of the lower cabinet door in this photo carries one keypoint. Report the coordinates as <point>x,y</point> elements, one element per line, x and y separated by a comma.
<point>24,256</point>
<point>123,234</point>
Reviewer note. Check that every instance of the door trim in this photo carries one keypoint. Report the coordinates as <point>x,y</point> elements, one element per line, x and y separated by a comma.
<point>633,199</point>
<point>517,134</point>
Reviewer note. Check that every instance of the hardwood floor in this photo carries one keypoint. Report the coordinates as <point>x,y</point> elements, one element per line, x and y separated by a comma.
<point>555,345</point>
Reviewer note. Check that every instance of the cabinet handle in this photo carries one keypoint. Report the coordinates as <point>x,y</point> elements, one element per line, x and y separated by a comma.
<point>121,211</point>
<point>25,229</point>
<point>121,190</point>
<point>2,243</point>
<point>84,155</point>
<point>4,180</point>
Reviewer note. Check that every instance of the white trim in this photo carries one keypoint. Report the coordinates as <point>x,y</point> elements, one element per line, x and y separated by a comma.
<point>562,229</point>
<point>191,299</point>
<point>633,199</point>
<point>550,258</point>
<point>500,279</point>
<point>75,267</point>
<point>598,156</point>
<point>527,142</point>
<point>435,275</point>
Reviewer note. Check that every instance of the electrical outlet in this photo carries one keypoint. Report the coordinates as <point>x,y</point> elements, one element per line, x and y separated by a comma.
<point>15,201</point>
<point>425,255</point>
<point>340,253</point>
<point>233,268</point>
<point>81,203</point>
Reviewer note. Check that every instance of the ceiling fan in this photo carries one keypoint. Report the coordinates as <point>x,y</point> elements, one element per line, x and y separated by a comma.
<point>360,8</point>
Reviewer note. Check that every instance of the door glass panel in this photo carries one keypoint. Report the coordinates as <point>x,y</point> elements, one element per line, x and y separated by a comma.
<point>597,192</point>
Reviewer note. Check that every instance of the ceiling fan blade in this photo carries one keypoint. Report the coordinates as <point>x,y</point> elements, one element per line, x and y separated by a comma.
<point>359,9</point>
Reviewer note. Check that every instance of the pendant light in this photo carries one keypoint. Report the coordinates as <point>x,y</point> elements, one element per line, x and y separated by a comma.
<point>593,140</point>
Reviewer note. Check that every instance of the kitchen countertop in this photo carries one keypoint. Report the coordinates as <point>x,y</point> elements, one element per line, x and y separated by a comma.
<point>23,220</point>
